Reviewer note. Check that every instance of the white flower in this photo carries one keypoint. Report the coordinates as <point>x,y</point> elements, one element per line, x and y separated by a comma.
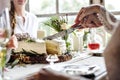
<point>64,26</point>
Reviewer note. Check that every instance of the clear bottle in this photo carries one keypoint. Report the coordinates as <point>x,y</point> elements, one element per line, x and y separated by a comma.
<point>94,41</point>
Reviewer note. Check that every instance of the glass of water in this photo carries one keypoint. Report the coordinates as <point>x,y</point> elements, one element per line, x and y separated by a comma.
<point>5,34</point>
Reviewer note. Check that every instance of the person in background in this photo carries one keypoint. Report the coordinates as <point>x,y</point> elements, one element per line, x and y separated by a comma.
<point>89,17</point>
<point>4,4</point>
<point>12,44</point>
<point>22,21</point>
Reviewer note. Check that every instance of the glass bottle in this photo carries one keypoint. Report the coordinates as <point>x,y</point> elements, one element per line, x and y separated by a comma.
<point>94,41</point>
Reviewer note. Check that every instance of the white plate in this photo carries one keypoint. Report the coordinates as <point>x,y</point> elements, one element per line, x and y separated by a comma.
<point>74,69</point>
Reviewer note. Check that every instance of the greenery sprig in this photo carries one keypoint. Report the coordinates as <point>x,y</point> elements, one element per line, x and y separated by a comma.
<point>55,22</point>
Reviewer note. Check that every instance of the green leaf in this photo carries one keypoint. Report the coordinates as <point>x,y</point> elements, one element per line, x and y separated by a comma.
<point>55,23</point>
<point>14,63</point>
<point>3,57</point>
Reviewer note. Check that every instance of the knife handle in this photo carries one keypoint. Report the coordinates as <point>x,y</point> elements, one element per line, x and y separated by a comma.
<point>77,26</point>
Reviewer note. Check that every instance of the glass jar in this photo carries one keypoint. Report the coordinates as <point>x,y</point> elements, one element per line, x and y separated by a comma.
<point>94,41</point>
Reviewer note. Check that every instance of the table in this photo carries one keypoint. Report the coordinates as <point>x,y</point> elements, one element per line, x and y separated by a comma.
<point>18,72</point>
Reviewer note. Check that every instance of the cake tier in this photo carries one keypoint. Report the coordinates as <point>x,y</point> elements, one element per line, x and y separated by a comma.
<point>38,46</point>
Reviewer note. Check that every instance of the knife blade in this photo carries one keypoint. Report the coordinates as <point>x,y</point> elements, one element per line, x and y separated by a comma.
<point>63,33</point>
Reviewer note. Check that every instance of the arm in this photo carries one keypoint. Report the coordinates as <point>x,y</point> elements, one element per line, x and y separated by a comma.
<point>108,19</point>
<point>112,56</point>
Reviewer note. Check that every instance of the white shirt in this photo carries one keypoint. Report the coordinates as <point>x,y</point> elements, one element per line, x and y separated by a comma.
<point>30,25</point>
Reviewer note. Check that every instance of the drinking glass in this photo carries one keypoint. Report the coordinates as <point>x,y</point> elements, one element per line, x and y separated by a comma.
<point>52,58</point>
<point>5,33</point>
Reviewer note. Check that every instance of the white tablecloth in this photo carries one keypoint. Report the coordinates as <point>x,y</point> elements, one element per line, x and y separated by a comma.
<point>19,71</point>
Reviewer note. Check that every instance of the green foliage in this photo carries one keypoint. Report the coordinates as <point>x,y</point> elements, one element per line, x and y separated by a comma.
<point>30,40</point>
<point>3,57</point>
<point>55,23</point>
<point>18,58</point>
<point>68,45</point>
<point>85,38</point>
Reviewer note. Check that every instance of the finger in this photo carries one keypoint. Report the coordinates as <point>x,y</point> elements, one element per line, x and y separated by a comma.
<point>49,72</point>
<point>83,14</point>
<point>86,11</point>
<point>43,76</point>
<point>44,71</point>
<point>93,20</point>
<point>83,24</point>
<point>35,76</point>
<point>96,20</point>
<point>81,27</point>
<point>80,14</point>
<point>91,25</point>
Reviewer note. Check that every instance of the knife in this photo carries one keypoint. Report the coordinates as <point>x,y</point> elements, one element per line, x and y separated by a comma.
<point>64,32</point>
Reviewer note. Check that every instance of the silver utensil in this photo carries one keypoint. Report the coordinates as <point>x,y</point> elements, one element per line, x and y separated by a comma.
<point>64,32</point>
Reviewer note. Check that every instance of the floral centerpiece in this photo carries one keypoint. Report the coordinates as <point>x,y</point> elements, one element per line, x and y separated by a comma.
<point>59,24</point>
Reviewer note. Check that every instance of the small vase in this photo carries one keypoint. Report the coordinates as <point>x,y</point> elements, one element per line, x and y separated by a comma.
<point>68,44</point>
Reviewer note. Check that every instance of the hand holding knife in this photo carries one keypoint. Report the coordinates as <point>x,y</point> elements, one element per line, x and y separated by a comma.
<point>89,21</point>
<point>64,32</point>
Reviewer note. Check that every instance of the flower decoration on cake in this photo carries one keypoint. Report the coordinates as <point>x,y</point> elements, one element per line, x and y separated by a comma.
<point>59,24</point>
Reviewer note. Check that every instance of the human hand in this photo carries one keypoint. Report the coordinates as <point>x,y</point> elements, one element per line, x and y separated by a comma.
<point>90,21</point>
<point>85,11</point>
<point>48,74</point>
<point>13,43</point>
<point>87,17</point>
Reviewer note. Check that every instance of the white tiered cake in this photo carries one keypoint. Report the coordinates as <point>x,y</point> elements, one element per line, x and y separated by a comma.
<point>36,52</point>
<point>55,47</point>
<point>38,46</point>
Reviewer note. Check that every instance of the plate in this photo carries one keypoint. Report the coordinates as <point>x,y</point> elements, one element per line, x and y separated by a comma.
<point>74,69</point>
